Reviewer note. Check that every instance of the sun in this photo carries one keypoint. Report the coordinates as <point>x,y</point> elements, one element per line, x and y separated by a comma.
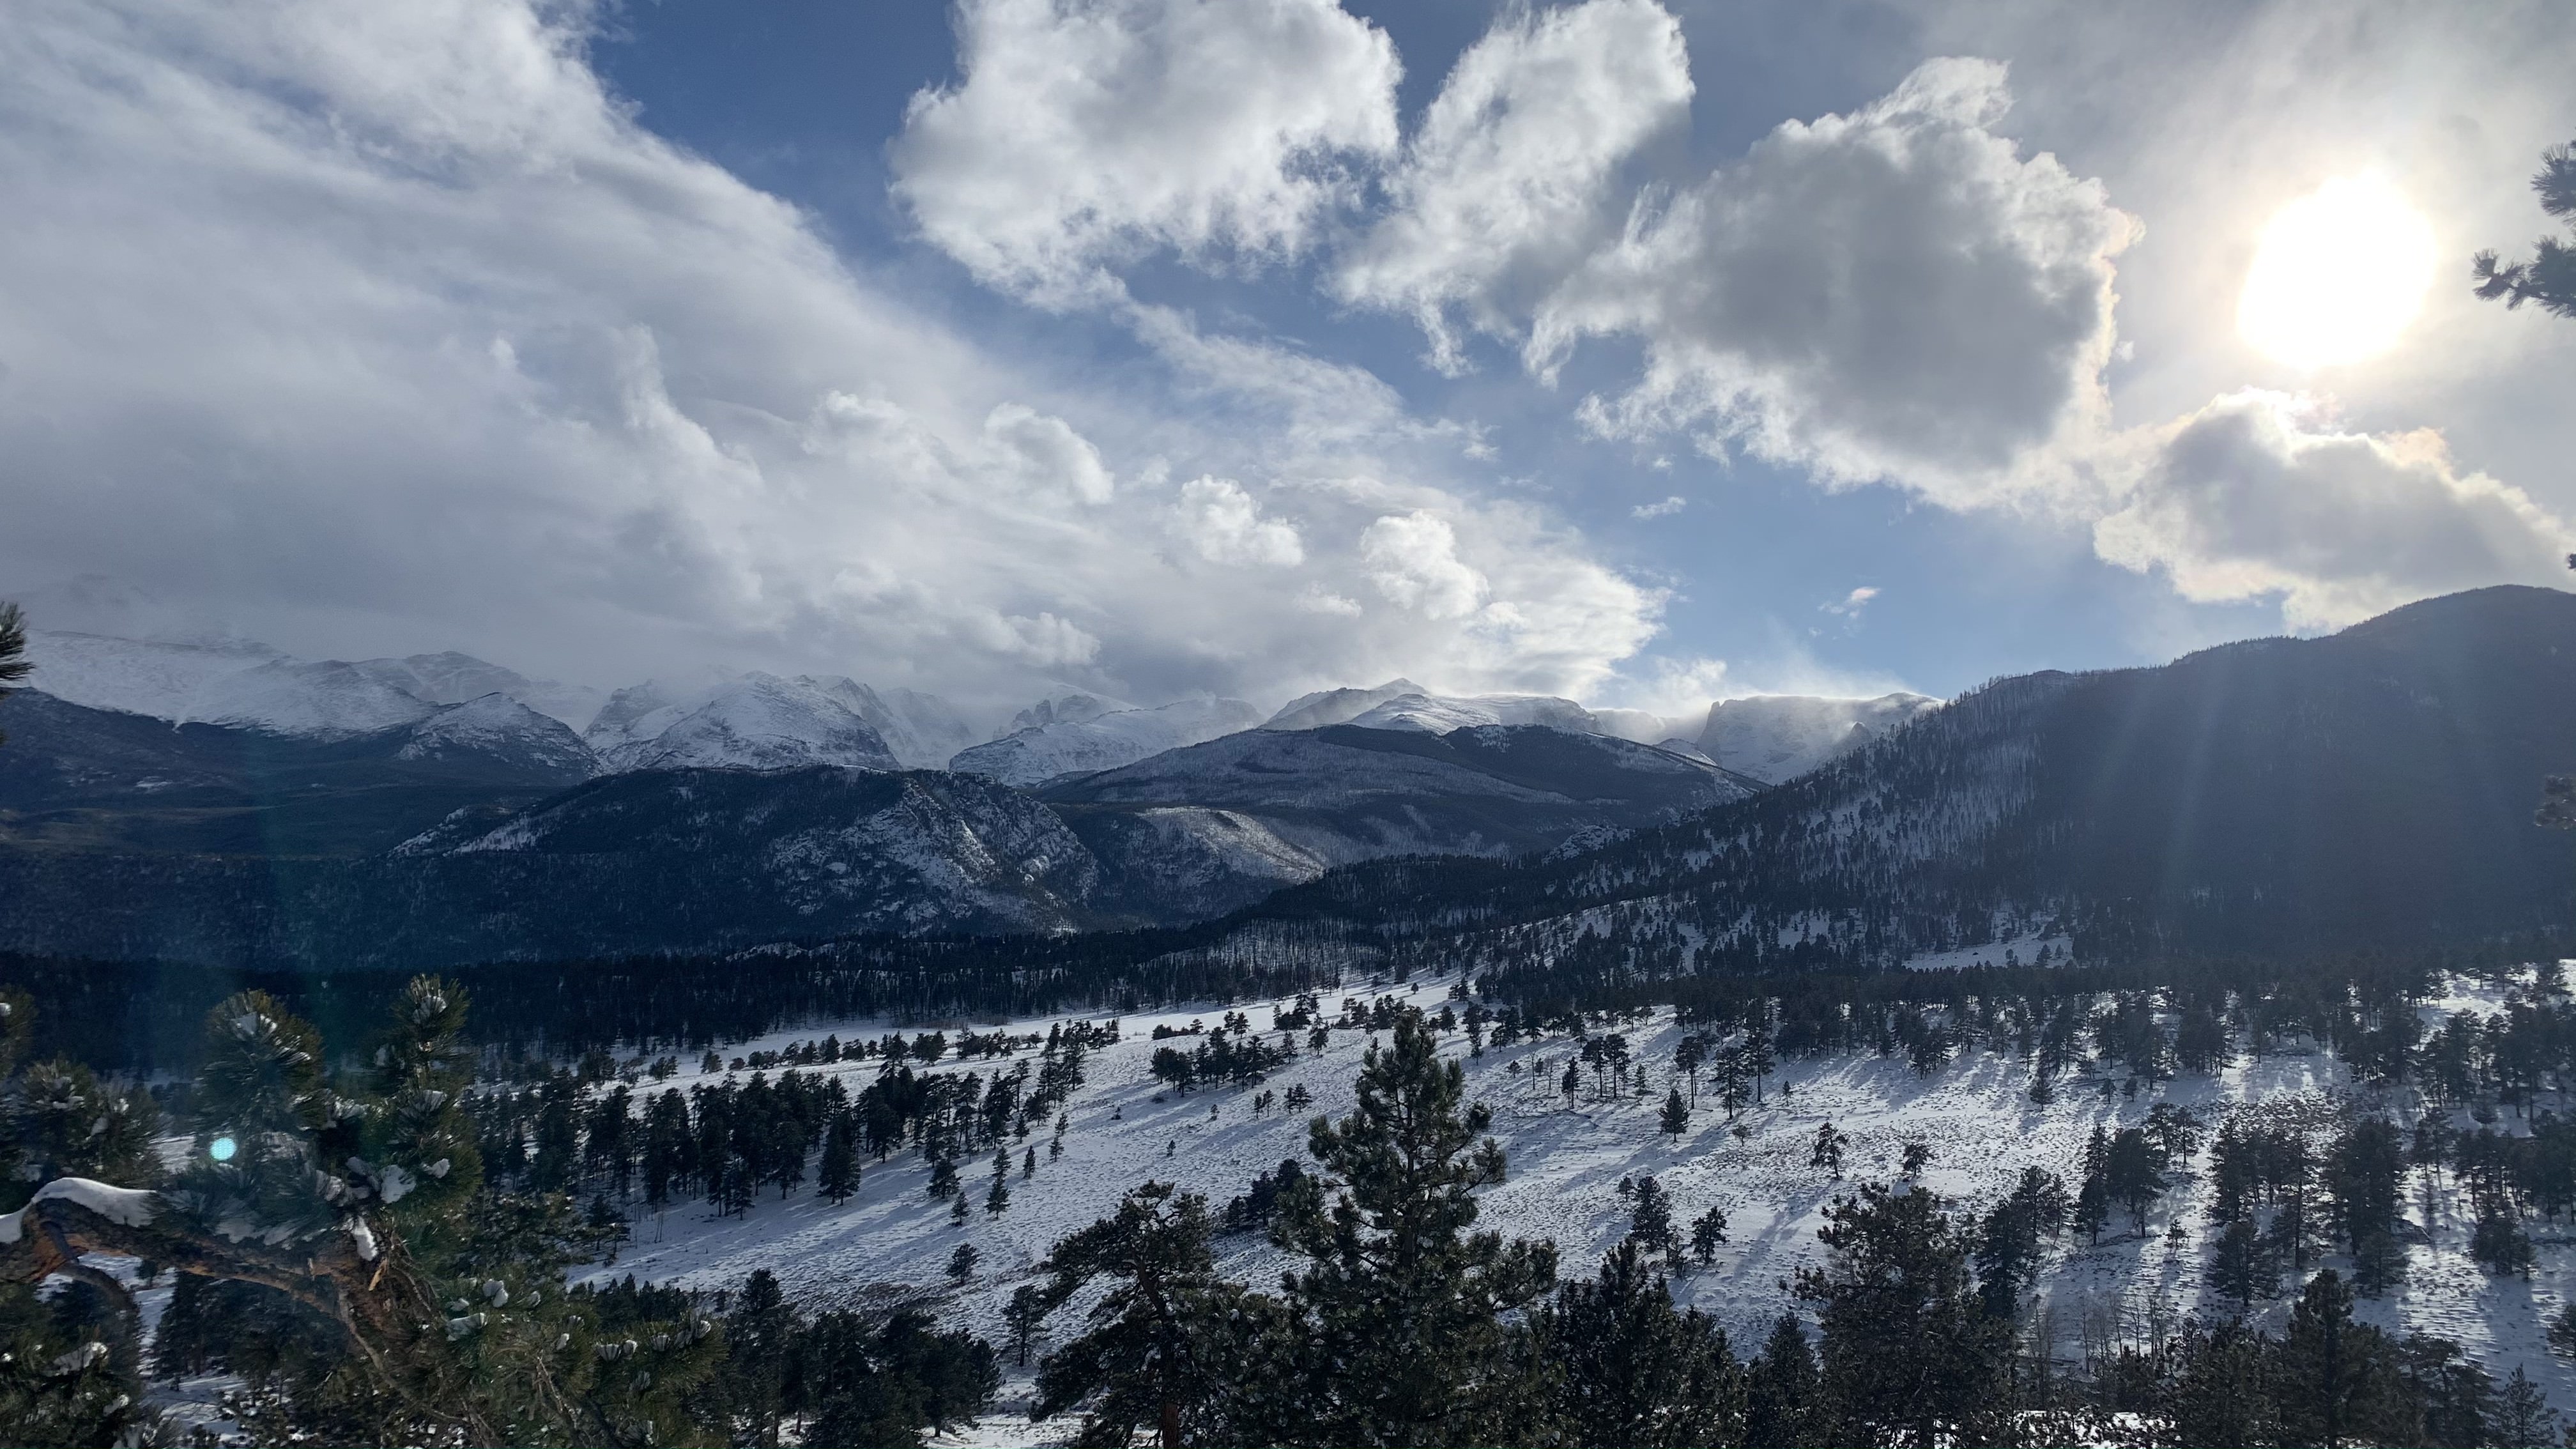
<point>2338,275</point>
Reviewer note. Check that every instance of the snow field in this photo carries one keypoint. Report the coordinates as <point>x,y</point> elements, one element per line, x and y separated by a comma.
<point>1566,1162</point>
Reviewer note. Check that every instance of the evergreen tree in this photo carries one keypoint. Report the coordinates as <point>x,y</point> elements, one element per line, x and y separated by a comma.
<point>1707,1233</point>
<point>1910,1356</point>
<point>1650,1224</point>
<point>2337,1377</point>
<point>838,1175</point>
<point>2222,1389</point>
<point>2522,1414</point>
<point>1631,1370</point>
<point>2008,1241</point>
<point>1164,1349</point>
<point>760,1334</point>
<point>1400,1305</point>
<point>1676,1118</point>
<point>1781,1390</point>
<point>961,1263</point>
<point>2364,1175</point>
<point>1024,1315</point>
<point>2549,278</point>
<point>1828,1150</point>
<point>2243,1267</point>
<point>14,663</point>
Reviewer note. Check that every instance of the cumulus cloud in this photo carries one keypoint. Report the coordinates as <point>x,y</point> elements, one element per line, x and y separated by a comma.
<point>1086,133</point>
<point>1892,295</point>
<point>1665,509</point>
<point>1505,186</point>
<point>385,328</point>
<point>2255,495</point>
<point>1225,525</point>
<point>1047,455</point>
<point>1413,560</point>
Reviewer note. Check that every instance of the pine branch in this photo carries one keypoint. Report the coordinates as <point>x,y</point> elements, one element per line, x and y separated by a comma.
<point>386,1312</point>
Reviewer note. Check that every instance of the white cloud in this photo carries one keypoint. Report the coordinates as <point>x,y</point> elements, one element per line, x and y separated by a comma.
<point>2255,495</point>
<point>1413,560</point>
<point>1896,294</point>
<point>1086,133</point>
<point>1850,605</point>
<point>1503,189</point>
<point>1047,455</point>
<point>385,328</point>
<point>1225,525</point>
<point>1319,600</point>
<point>1670,506</point>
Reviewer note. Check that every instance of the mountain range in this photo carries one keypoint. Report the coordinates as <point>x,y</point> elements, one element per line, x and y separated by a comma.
<point>2372,786</point>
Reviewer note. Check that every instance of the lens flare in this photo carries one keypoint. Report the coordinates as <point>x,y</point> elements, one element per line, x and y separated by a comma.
<point>222,1149</point>
<point>2338,275</point>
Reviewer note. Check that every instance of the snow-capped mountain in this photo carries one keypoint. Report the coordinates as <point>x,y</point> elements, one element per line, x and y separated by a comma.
<point>496,728</point>
<point>1778,737</point>
<point>1337,706</point>
<point>1103,741</point>
<point>219,679</point>
<point>452,678</point>
<point>1070,708</point>
<point>1440,714</point>
<point>757,722</point>
<point>763,722</point>
<point>1223,823</point>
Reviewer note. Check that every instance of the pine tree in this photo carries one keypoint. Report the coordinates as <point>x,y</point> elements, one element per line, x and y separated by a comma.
<point>14,663</point>
<point>1650,1225</point>
<point>838,1175</point>
<point>2549,278</point>
<point>2243,1267</point>
<point>961,1263</point>
<point>1676,1118</point>
<point>1631,1370</point>
<point>997,1200</point>
<point>1910,1356</point>
<point>1165,1349</point>
<point>2336,1375</point>
<point>2222,1388</point>
<point>1707,1234</point>
<point>1401,1303</point>
<point>1023,1316</point>
<point>1781,1390</point>
<point>1828,1151</point>
<point>2523,1416</point>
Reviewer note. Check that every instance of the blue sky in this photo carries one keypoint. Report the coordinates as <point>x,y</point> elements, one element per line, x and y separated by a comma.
<point>1639,352</point>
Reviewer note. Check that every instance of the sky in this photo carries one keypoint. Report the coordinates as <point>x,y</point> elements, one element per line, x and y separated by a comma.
<point>1644,353</point>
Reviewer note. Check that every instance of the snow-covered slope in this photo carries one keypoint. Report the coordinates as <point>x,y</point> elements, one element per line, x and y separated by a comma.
<point>1439,714</point>
<point>1566,1158</point>
<point>1222,823</point>
<point>242,684</point>
<point>1781,736</point>
<point>775,723</point>
<point>497,729</point>
<point>452,678</point>
<point>638,861</point>
<point>757,722</point>
<point>1337,706</point>
<point>220,679</point>
<point>1105,741</point>
<point>1071,707</point>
